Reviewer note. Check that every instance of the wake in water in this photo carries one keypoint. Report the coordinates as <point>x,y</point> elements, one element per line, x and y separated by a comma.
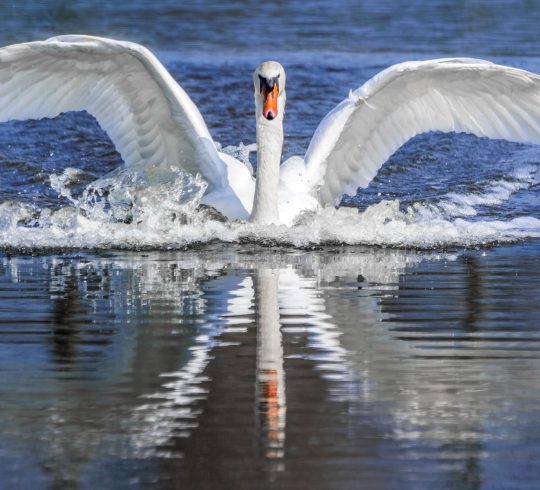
<point>155,208</point>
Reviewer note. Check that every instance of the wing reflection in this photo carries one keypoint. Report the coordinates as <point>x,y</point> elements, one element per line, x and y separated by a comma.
<point>175,412</point>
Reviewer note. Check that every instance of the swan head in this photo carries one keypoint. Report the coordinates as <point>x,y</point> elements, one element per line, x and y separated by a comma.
<point>269,85</point>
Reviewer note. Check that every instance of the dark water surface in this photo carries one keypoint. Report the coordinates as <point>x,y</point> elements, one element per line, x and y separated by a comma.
<point>489,27</point>
<point>234,365</point>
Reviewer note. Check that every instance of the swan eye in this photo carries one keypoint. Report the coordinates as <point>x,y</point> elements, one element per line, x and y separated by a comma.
<point>268,83</point>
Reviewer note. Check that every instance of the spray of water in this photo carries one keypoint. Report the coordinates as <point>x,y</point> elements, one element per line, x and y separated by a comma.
<point>138,207</point>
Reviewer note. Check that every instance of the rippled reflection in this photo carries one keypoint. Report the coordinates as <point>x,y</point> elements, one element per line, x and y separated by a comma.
<point>270,376</point>
<point>251,365</point>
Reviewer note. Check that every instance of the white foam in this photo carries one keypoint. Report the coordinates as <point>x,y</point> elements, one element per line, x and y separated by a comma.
<point>493,194</point>
<point>132,209</point>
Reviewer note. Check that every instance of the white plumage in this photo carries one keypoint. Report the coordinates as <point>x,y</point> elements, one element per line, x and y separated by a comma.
<point>462,95</point>
<point>153,122</point>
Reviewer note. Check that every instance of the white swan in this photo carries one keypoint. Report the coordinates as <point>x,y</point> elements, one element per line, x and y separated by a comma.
<point>152,121</point>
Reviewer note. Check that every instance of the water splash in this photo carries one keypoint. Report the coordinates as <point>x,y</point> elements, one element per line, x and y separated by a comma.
<point>137,207</point>
<point>241,153</point>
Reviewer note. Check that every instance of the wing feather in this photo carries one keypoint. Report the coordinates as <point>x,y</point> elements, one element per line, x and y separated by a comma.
<point>464,95</point>
<point>147,115</point>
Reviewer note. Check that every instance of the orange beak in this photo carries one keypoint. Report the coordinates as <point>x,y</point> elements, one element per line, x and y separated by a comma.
<point>270,98</point>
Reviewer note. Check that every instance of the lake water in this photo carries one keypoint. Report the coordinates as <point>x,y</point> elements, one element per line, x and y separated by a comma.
<point>393,343</point>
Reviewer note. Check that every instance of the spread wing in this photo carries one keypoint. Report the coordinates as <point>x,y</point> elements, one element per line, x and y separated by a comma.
<point>147,115</point>
<point>463,95</point>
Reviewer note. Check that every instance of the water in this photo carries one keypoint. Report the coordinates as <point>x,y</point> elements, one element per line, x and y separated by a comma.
<point>390,344</point>
<point>249,367</point>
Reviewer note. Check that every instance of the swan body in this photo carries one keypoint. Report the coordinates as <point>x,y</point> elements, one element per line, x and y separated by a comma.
<point>153,122</point>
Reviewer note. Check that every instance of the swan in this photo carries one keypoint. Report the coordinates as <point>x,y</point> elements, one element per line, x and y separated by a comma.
<point>154,124</point>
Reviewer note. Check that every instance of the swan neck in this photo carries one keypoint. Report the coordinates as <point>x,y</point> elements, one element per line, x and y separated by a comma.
<point>269,147</point>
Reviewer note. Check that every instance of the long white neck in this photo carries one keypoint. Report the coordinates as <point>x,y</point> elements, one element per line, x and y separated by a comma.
<point>269,147</point>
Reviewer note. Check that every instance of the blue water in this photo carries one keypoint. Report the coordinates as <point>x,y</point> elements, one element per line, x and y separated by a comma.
<point>490,28</point>
<point>227,363</point>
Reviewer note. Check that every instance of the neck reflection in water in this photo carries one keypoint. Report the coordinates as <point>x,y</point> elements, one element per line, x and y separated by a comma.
<point>270,376</point>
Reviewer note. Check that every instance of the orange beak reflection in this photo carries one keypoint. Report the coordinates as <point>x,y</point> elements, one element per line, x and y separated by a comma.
<point>270,98</point>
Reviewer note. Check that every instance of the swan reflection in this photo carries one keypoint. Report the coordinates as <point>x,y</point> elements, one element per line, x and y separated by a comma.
<point>203,356</point>
<point>277,295</point>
